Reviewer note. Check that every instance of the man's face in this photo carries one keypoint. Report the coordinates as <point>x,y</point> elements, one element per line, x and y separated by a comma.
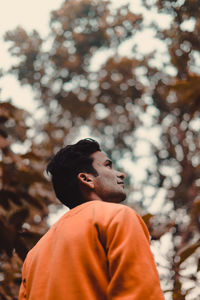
<point>109,184</point>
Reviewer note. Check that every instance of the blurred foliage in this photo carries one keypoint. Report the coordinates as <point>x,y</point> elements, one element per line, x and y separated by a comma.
<point>116,100</point>
<point>24,197</point>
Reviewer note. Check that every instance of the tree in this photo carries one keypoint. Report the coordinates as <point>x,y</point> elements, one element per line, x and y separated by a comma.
<point>114,103</point>
<point>24,197</point>
<point>177,98</point>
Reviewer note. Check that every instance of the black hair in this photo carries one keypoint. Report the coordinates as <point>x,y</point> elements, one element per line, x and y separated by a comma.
<point>65,166</point>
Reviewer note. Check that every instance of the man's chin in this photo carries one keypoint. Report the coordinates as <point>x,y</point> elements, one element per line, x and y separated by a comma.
<point>120,198</point>
<point>123,198</point>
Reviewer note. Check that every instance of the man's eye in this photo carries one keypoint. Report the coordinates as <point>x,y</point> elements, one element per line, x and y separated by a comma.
<point>109,165</point>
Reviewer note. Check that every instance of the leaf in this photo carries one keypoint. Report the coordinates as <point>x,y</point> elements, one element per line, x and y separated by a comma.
<point>21,248</point>
<point>30,238</point>
<point>18,218</point>
<point>32,156</point>
<point>188,251</point>
<point>3,142</point>
<point>196,206</point>
<point>6,195</point>
<point>5,203</point>
<point>7,237</point>
<point>32,200</point>
<point>198,266</point>
<point>147,218</point>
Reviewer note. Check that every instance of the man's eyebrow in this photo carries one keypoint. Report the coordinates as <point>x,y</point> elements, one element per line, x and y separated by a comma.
<point>108,161</point>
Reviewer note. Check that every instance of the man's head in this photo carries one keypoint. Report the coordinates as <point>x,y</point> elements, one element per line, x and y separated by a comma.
<point>81,172</point>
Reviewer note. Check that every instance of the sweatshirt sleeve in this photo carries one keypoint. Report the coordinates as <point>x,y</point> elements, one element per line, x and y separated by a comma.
<point>132,271</point>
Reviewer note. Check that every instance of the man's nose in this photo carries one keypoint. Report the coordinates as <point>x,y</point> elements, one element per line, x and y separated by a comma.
<point>121,175</point>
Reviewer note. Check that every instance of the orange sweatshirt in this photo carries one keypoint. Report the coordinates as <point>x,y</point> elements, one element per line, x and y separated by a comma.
<point>96,251</point>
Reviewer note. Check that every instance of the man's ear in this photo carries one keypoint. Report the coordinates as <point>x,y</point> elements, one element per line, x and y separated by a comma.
<point>86,179</point>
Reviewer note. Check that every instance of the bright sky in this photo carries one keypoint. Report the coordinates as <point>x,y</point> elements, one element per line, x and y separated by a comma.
<point>30,14</point>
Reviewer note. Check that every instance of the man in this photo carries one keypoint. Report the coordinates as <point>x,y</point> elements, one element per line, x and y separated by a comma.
<point>99,249</point>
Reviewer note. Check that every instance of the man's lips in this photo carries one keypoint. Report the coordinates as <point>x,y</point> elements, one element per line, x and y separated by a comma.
<point>122,183</point>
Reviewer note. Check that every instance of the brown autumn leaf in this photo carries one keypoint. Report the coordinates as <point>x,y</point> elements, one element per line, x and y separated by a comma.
<point>3,142</point>
<point>32,201</point>
<point>196,206</point>
<point>147,218</point>
<point>31,238</point>
<point>9,195</point>
<point>188,251</point>
<point>18,217</point>
<point>198,265</point>
<point>188,92</point>
<point>8,237</point>
<point>21,248</point>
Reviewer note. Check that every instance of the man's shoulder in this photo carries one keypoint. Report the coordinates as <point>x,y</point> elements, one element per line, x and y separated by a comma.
<point>112,206</point>
<point>108,206</point>
<point>109,210</point>
<point>99,212</point>
<point>113,215</point>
